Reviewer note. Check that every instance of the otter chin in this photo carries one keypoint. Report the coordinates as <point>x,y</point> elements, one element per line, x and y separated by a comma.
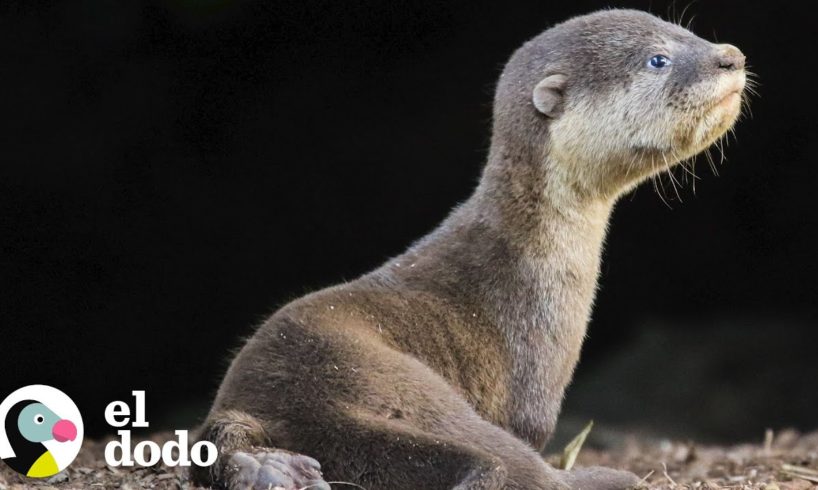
<point>446,367</point>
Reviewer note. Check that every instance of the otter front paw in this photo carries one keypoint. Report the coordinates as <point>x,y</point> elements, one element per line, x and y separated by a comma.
<point>274,470</point>
<point>599,478</point>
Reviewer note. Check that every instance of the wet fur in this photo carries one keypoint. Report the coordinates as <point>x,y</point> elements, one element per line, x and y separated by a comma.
<point>446,367</point>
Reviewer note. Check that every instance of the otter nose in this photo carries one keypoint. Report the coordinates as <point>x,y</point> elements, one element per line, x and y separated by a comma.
<point>729,57</point>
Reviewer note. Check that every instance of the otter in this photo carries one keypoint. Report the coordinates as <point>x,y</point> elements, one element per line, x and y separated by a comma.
<point>446,367</point>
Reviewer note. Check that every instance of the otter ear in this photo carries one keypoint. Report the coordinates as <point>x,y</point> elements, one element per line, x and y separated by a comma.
<point>548,94</point>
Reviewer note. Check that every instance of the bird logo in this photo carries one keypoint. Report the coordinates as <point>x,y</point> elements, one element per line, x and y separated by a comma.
<point>41,431</point>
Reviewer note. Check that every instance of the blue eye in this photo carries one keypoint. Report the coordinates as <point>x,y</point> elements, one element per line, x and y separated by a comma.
<point>659,61</point>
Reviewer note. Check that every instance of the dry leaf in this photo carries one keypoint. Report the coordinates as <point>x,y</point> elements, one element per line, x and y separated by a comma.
<point>571,451</point>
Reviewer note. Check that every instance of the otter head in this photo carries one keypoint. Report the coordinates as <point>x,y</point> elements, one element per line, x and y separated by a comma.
<point>616,96</point>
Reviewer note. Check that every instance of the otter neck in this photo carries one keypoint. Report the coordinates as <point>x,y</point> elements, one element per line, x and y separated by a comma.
<point>554,234</point>
<point>538,209</point>
<point>538,292</point>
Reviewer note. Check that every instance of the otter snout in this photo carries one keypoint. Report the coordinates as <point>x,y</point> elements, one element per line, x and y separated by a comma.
<point>729,58</point>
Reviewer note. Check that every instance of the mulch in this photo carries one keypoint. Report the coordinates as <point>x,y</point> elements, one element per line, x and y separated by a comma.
<point>784,461</point>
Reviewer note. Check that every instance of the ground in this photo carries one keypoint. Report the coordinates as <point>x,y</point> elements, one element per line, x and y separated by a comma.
<point>784,461</point>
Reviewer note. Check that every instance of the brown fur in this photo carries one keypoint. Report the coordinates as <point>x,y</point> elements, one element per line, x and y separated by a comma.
<point>446,367</point>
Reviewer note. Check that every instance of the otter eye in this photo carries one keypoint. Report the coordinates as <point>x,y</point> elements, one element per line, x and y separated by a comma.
<point>39,419</point>
<point>659,61</point>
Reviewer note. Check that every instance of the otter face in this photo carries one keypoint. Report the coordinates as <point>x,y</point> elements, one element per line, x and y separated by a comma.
<point>627,95</point>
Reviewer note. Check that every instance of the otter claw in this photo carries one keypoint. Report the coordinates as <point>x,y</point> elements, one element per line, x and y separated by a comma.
<point>275,470</point>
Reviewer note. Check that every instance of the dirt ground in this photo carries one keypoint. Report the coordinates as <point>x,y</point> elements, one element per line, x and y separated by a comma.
<point>784,461</point>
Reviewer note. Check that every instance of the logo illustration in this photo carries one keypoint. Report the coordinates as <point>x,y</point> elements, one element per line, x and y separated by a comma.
<point>40,431</point>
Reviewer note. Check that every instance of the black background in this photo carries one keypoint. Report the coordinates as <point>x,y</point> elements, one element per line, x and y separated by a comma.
<point>173,171</point>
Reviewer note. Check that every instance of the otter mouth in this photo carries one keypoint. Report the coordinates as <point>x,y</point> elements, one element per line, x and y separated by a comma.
<point>731,94</point>
<point>731,98</point>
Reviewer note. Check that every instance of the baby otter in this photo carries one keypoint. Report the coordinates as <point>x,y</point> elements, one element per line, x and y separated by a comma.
<point>446,367</point>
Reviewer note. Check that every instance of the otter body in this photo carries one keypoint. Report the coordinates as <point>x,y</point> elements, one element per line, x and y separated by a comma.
<point>446,367</point>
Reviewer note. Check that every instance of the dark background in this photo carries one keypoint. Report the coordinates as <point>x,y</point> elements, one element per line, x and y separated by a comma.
<point>172,171</point>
